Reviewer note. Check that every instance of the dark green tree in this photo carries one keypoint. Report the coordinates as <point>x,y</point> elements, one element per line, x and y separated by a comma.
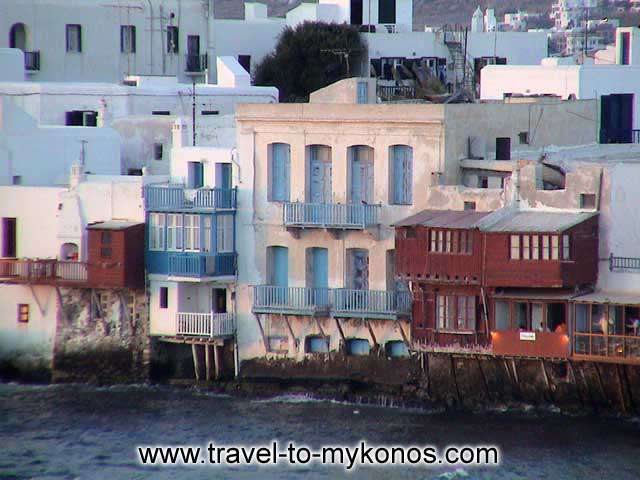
<point>311,56</point>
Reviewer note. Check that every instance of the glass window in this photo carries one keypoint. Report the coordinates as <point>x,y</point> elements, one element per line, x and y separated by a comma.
<point>434,243</point>
<point>164,297</point>
<point>502,316</point>
<point>554,247</point>
<point>74,38</point>
<point>566,250</point>
<point>172,39</point>
<point>206,233</point>
<point>535,247</point>
<point>128,39</point>
<point>225,233</point>
<point>23,313</point>
<point>463,242</point>
<point>582,317</point>
<point>522,315</point>
<point>440,241</point>
<point>156,231</point>
<point>526,250</point>
<point>515,247</point>
<point>172,230</point>
<point>448,244</point>
<point>545,247</point>
<point>192,232</point>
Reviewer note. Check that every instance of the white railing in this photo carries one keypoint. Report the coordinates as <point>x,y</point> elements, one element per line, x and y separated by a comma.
<point>205,324</point>
<point>330,215</point>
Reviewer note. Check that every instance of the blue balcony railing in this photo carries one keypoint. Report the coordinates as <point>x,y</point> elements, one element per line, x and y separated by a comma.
<point>338,302</point>
<point>177,197</point>
<point>197,265</point>
<point>330,215</point>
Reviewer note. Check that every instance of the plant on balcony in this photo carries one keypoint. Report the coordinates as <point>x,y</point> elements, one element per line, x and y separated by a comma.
<point>309,57</point>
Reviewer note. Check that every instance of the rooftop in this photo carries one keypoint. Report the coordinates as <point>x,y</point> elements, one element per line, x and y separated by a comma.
<point>112,225</point>
<point>443,219</point>
<point>532,221</point>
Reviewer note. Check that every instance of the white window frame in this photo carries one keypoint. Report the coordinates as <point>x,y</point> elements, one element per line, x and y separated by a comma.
<point>514,247</point>
<point>224,232</point>
<point>206,233</point>
<point>157,223</point>
<point>566,247</point>
<point>191,239</point>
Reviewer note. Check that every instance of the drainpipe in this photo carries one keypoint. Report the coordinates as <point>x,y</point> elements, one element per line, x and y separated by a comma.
<point>234,152</point>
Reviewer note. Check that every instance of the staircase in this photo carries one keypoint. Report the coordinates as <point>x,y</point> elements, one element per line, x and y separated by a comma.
<point>463,71</point>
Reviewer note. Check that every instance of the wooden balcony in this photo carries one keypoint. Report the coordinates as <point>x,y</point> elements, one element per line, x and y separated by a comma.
<point>205,324</point>
<point>175,197</point>
<point>337,216</point>
<point>44,272</point>
<point>324,301</point>
<point>195,265</point>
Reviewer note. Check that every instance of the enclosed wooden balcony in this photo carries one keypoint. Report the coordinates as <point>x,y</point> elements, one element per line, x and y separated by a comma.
<point>196,265</point>
<point>210,325</point>
<point>175,197</point>
<point>44,272</point>
<point>336,216</point>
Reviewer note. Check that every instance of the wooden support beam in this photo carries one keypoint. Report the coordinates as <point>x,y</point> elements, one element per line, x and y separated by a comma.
<point>625,377</point>
<point>594,404</point>
<point>264,337</point>
<point>319,325</point>
<point>293,337</point>
<point>196,363</point>
<point>455,379</point>
<point>427,370</point>
<point>515,372</point>
<point>97,303</point>
<point>374,340</point>
<point>600,384</point>
<point>623,400</point>
<point>484,378</point>
<point>207,362</point>
<point>344,340</point>
<point>546,380</point>
<point>42,310</point>
<point>62,311</point>
<point>218,361</point>
<point>402,334</point>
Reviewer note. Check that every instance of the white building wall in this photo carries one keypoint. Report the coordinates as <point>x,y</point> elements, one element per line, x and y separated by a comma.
<point>101,59</point>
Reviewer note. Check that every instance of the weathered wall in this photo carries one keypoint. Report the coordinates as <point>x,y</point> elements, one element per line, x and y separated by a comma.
<point>104,339</point>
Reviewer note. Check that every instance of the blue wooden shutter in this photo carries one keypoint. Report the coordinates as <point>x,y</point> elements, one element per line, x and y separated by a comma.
<point>280,266</point>
<point>280,167</point>
<point>320,267</point>
<point>223,175</point>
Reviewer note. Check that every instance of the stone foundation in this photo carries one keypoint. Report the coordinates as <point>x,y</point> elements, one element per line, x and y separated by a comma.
<point>101,337</point>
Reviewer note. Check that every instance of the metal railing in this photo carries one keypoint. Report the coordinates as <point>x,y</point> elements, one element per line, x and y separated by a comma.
<point>624,263</point>
<point>205,324</point>
<point>600,345</point>
<point>387,93</point>
<point>292,298</point>
<point>371,301</point>
<point>198,265</point>
<point>32,61</point>
<point>330,215</point>
<point>48,271</point>
<point>196,63</point>
<point>341,301</point>
<point>177,197</point>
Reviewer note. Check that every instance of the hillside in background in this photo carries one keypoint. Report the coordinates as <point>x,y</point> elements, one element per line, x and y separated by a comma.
<point>425,12</point>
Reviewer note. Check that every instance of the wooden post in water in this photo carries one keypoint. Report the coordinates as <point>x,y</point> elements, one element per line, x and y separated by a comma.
<point>207,362</point>
<point>196,364</point>
<point>218,360</point>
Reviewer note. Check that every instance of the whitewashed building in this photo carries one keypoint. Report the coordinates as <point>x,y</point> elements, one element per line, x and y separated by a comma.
<point>615,86</point>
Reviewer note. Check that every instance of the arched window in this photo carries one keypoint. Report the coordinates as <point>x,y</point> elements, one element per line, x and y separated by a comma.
<point>18,36</point>
<point>69,252</point>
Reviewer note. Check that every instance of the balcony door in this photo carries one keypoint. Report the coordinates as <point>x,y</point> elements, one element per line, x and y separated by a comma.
<point>219,300</point>
<point>357,269</point>
<point>195,175</point>
<point>318,275</point>
<point>278,266</point>
<point>360,174</point>
<point>193,53</point>
<point>319,164</point>
<point>18,36</point>
<point>9,237</point>
<point>223,176</point>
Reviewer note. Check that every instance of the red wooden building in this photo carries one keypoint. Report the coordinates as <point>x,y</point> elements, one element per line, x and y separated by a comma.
<point>502,279</point>
<point>115,254</point>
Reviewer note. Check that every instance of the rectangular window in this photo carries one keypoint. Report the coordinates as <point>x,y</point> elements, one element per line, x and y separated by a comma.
<point>74,38</point>
<point>515,247</point>
<point>105,252</point>
<point>172,39</point>
<point>483,181</point>
<point>545,247</point>
<point>157,151</point>
<point>156,231</point>
<point>23,313</point>
<point>463,242</point>
<point>434,242</point>
<point>469,205</point>
<point>363,92</point>
<point>224,230</point>
<point>566,247</point>
<point>127,39</point>
<point>164,297</point>
<point>523,137</point>
<point>554,247</point>
<point>174,231</point>
<point>9,237</point>
<point>440,241</point>
<point>447,247</point>
<point>206,233</point>
<point>587,200</point>
<point>192,232</point>
<point>401,171</point>
<point>526,249</point>
<point>535,247</point>
<point>105,237</point>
